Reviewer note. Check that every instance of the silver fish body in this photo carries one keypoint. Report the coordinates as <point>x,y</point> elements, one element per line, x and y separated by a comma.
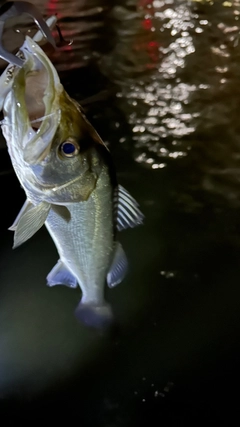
<point>85,245</point>
<point>70,183</point>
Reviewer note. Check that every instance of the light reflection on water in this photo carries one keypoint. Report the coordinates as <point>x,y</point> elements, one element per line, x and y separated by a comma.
<point>156,100</point>
<point>164,98</point>
<point>169,60</point>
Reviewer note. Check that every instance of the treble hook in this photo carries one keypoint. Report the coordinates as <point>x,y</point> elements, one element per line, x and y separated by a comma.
<point>62,41</point>
<point>11,9</point>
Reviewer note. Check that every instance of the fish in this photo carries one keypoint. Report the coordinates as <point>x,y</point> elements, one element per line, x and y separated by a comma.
<point>69,179</point>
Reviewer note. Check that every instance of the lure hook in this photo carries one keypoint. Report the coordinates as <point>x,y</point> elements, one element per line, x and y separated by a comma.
<point>16,8</point>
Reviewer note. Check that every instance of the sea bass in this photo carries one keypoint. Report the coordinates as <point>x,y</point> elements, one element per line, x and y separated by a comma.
<point>70,182</point>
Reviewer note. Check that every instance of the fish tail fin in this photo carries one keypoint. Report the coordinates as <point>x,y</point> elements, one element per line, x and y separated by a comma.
<point>93,315</point>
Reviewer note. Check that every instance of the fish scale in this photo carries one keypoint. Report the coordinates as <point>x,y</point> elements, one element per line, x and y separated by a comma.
<point>78,241</point>
<point>73,191</point>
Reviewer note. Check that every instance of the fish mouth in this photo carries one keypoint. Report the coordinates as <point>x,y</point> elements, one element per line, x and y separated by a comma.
<point>36,90</point>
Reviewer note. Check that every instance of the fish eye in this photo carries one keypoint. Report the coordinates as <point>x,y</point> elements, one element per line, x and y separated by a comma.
<point>69,148</point>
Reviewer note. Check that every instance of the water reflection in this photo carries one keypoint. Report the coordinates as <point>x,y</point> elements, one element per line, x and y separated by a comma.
<point>182,93</point>
<point>155,102</point>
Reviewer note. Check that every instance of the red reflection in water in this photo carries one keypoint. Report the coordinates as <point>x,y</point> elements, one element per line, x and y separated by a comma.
<point>145,3</point>
<point>52,8</point>
<point>153,50</point>
<point>147,24</point>
<point>151,47</point>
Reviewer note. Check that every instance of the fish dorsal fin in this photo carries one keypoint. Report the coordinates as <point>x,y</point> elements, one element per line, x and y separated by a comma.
<point>60,275</point>
<point>92,131</point>
<point>127,213</point>
<point>118,267</point>
<point>29,220</point>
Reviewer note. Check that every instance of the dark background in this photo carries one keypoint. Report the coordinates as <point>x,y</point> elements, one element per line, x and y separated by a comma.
<point>162,83</point>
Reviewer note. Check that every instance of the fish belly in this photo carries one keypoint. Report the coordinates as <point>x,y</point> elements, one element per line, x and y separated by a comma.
<point>85,243</point>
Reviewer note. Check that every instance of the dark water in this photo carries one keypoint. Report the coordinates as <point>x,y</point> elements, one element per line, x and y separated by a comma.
<point>163,77</point>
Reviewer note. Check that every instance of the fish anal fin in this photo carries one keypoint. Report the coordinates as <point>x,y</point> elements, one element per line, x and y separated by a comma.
<point>118,267</point>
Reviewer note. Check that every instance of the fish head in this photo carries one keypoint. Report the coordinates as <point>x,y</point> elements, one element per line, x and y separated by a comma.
<point>69,170</point>
<point>51,143</point>
<point>30,106</point>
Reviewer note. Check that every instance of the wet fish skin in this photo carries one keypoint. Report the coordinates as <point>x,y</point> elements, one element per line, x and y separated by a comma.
<point>72,195</point>
<point>89,253</point>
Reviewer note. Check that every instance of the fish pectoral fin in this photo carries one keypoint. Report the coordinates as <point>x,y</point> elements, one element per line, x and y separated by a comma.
<point>60,275</point>
<point>127,213</point>
<point>62,211</point>
<point>118,268</point>
<point>29,222</point>
<point>24,209</point>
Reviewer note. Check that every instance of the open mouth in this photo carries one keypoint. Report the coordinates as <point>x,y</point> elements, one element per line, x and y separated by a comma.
<point>33,81</point>
<point>36,87</point>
